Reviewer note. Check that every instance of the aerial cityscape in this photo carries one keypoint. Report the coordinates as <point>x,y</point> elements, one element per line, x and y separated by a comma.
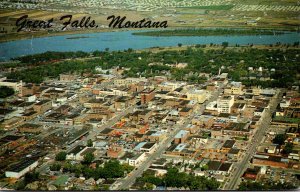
<point>212,102</point>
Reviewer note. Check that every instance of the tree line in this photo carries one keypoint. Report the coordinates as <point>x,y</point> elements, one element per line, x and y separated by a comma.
<point>174,178</point>
<point>235,61</point>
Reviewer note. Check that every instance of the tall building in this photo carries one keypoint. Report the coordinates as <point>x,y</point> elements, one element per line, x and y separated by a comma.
<point>225,103</point>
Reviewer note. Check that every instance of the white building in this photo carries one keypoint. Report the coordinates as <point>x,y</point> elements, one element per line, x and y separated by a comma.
<point>225,103</point>
<point>137,159</point>
<point>212,106</point>
<point>259,112</point>
<point>21,168</point>
<point>149,147</point>
<point>30,98</point>
<point>285,103</point>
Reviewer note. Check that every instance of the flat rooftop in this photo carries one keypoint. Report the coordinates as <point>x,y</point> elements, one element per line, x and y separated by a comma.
<point>22,165</point>
<point>229,143</point>
<point>77,149</point>
<point>181,134</point>
<point>148,145</point>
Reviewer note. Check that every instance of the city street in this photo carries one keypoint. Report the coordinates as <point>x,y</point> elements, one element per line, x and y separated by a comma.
<point>256,140</point>
<point>128,181</point>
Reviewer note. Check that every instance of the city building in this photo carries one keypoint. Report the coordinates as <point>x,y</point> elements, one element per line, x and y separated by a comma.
<point>224,104</point>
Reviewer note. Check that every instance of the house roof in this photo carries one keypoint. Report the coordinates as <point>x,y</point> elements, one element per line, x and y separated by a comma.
<point>148,145</point>
<point>234,151</point>
<point>225,167</point>
<point>214,165</point>
<point>229,143</point>
<point>22,165</point>
<point>77,149</point>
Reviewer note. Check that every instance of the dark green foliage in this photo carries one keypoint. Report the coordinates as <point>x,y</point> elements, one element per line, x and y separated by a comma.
<point>111,169</point>
<point>279,139</point>
<point>50,56</point>
<point>258,186</point>
<point>20,185</point>
<point>61,156</point>
<point>6,91</point>
<point>88,158</point>
<point>55,167</point>
<point>285,65</point>
<point>31,177</point>
<point>288,148</point>
<point>174,178</point>
<point>89,143</point>
<point>127,168</point>
<point>225,44</point>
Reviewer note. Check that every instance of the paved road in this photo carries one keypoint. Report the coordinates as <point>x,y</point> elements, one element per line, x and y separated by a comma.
<point>256,140</point>
<point>125,183</point>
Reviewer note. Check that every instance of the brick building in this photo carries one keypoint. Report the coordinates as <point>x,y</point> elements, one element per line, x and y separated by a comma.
<point>147,95</point>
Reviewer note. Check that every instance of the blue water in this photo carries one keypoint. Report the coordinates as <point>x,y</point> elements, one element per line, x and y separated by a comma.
<point>123,40</point>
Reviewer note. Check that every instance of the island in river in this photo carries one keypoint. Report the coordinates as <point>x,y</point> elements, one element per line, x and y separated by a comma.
<point>208,32</point>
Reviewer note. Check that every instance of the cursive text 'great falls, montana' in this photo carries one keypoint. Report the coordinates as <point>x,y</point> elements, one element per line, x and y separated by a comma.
<point>118,22</point>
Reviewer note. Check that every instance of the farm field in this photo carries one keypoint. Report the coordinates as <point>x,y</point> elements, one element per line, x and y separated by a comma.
<point>262,14</point>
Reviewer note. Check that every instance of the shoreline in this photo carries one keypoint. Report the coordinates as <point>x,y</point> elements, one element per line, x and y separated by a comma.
<point>182,48</point>
<point>27,35</point>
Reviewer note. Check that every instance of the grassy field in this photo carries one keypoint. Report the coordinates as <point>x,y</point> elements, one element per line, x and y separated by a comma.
<point>211,7</point>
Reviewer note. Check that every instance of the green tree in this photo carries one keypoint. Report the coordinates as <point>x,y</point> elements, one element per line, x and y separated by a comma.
<point>113,169</point>
<point>67,167</point>
<point>88,158</point>
<point>212,184</point>
<point>55,167</point>
<point>196,183</point>
<point>126,167</point>
<point>31,177</point>
<point>259,186</point>
<point>225,44</point>
<point>90,143</point>
<point>6,91</point>
<point>20,185</point>
<point>204,167</point>
<point>148,186</point>
<point>279,139</point>
<point>61,156</point>
<point>171,177</point>
<point>288,148</point>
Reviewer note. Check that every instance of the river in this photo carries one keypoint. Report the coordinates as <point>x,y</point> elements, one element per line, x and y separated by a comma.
<point>124,39</point>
